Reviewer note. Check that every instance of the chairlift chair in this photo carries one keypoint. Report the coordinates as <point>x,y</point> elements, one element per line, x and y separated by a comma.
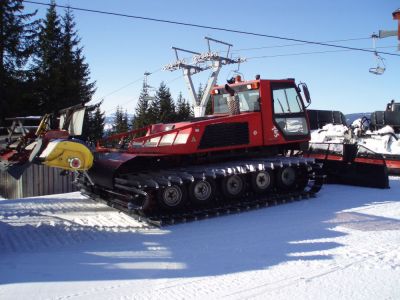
<point>380,68</point>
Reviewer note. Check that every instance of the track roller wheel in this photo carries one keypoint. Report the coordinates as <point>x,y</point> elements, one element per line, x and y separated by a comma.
<point>286,178</point>
<point>302,179</point>
<point>202,191</point>
<point>262,182</point>
<point>172,197</point>
<point>149,204</point>
<point>233,186</point>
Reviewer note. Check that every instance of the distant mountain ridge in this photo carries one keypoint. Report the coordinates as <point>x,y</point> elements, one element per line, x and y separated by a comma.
<point>350,118</point>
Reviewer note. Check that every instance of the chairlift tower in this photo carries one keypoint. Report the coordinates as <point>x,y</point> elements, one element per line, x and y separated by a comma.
<point>388,33</point>
<point>380,68</point>
<point>147,86</point>
<point>202,62</point>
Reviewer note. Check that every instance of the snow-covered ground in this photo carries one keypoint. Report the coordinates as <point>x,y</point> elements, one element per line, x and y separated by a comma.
<point>343,244</point>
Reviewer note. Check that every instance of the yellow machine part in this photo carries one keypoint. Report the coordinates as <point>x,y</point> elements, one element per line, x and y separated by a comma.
<point>67,155</point>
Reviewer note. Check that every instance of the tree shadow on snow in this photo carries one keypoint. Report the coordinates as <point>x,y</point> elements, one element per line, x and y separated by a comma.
<point>255,240</point>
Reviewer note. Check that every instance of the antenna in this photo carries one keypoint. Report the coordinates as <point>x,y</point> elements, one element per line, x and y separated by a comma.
<point>201,62</point>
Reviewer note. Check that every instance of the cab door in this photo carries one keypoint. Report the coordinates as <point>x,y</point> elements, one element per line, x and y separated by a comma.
<point>289,114</point>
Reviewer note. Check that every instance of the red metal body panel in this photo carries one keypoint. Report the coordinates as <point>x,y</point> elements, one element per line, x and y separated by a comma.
<point>393,164</point>
<point>56,134</point>
<point>316,155</point>
<point>184,137</point>
<point>370,161</point>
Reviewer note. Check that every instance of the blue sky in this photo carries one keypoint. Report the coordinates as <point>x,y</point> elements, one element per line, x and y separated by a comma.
<point>119,50</point>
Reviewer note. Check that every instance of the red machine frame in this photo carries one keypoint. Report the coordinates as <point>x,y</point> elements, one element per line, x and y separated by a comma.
<point>184,137</point>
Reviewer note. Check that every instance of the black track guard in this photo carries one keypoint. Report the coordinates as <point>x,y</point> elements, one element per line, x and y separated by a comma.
<point>351,164</point>
<point>106,165</point>
<point>355,173</point>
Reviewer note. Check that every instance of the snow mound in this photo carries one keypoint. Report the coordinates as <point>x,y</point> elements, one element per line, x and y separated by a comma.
<point>357,123</point>
<point>383,141</point>
<point>329,132</point>
<point>385,130</point>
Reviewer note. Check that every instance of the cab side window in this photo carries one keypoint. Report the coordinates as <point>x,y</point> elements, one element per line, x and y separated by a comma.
<point>289,114</point>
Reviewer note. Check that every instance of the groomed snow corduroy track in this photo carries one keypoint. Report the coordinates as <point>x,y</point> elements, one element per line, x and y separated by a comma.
<point>343,244</point>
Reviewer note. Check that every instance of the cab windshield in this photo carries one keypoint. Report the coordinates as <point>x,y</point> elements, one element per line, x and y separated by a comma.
<point>248,100</point>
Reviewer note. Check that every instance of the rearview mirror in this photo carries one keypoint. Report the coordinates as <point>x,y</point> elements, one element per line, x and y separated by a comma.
<point>306,92</point>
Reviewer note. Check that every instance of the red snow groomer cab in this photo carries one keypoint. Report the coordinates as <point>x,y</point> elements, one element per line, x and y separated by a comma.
<point>236,155</point>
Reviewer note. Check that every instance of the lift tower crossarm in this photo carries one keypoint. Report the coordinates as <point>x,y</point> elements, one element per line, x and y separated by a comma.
<point>188,71</point>
<point>388,33</point>
<point>202,61</point>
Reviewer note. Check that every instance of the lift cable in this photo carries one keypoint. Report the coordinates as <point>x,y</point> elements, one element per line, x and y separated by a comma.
<point>298,44</point>
<point>209,27</point>
<point>248,58</point>
<point>306,53</point>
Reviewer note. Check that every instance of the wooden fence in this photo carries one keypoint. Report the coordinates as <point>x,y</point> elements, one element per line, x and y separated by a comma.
<point>37,180</point>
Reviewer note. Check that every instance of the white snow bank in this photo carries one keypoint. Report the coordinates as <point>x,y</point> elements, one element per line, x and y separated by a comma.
<point>343,244</point>
<point>329,133</point>
<point>335,129</point>
<point>381,141</point>
<point>357,123</point>
<point>384,130</point>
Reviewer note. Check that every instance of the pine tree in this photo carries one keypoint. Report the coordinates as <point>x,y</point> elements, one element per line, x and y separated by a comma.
<point>154,111</point>
<point>97,125</point>
<point>141,111</point>
<point>125,122</point>
<point>17,40</point>
<point>48,62</point>
<point>68,42</point>
<point>62,74</point>
<point>183,109</point>
<point>121,122</point>
<point>189,110</point>
<point>77,85</point>
<point>167,105</point>
<point>93,128</point>
<point>117,120</point>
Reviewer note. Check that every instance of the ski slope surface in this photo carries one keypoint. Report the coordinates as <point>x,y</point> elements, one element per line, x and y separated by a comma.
<point>343,244</point>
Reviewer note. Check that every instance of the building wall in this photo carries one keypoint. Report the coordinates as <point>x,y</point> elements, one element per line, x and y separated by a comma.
<point>37,180</point>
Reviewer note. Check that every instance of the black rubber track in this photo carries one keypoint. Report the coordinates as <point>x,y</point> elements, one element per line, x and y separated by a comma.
<point>249,201</point>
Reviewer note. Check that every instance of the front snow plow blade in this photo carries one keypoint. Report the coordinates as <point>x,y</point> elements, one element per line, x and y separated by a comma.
<point>67,155</point>
<point>45,143</point>
<point>70,155</point>
<point>351,164</point>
